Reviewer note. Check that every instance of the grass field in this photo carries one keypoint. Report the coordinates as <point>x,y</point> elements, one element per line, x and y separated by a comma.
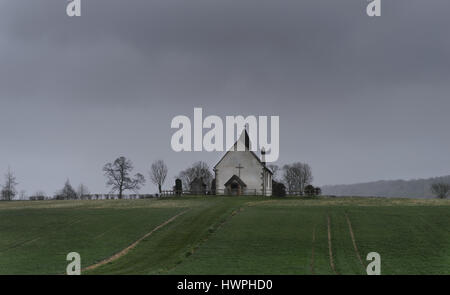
<point>225,235</point>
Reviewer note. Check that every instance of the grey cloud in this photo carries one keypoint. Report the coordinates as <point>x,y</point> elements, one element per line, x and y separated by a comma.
<point>359,98</point>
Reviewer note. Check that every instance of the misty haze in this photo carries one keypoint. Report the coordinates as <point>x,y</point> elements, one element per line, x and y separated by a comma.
<point>359,99</point>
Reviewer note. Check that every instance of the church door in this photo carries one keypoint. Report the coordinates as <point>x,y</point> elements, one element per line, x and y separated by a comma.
<point>235,189</point>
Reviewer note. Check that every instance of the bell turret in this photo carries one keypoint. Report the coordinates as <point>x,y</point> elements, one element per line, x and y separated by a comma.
<point>263,156</point>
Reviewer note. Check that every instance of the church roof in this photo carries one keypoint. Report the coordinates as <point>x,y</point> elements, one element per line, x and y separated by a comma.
<point>247,149</point>
<point>235,178</point>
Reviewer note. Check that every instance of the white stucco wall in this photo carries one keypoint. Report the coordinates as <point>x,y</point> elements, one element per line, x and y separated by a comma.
<point>251,173</point>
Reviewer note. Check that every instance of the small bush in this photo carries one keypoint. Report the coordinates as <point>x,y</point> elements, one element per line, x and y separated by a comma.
<point>309,190</point>
<point>278,189</point>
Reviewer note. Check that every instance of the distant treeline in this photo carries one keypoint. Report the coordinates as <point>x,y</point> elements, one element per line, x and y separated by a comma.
<point>94,197</point>
<point>416,188</point>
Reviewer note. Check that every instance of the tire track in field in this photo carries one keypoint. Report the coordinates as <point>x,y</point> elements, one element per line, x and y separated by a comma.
<point>219,226</point>
<point>204,240</point>
<point>133,245</point>
<point>330,251</point>
<point>354,240</point>
<point>312,253</point>
<point>105,232</point>
<point>256,203</point>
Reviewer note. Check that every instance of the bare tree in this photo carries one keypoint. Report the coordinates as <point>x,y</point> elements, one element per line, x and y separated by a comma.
<point>82,191</point>
<point>118,176</point>
<point>158,174</point>
<point>275,169</point>
<point>440,189</point>
<point>297,176</point>
<point>197,170</point>
<point>22,195</point>
<point>67,193</point>
<point>290,178</point>
<point>9,189</point>
<point>39,195</point>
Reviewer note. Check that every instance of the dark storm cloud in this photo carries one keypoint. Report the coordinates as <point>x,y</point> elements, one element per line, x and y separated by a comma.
<point>359,98</point>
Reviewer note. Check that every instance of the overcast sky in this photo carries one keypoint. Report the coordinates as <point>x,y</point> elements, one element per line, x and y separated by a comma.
<point>359,98</point>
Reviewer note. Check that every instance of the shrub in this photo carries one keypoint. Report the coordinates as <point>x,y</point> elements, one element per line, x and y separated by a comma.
<point>309,190</point>
<point>178,186</point>
<point>317,191</point>
<point>278,189</point>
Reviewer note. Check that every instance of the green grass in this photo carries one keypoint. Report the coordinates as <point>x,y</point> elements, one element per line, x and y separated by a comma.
<point>227,235</point>
<point>175,242</point>
<point>410,240</point>
<point>258,241</point>
<point>36,241</point>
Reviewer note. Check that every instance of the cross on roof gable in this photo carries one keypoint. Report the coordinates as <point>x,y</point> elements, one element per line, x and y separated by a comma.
<point>247,149</point>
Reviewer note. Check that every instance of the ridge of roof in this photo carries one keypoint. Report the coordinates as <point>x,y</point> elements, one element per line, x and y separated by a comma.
<point>247,144</point>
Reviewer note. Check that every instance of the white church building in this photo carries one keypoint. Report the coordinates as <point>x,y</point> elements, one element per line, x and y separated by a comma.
<point>242,172</point>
